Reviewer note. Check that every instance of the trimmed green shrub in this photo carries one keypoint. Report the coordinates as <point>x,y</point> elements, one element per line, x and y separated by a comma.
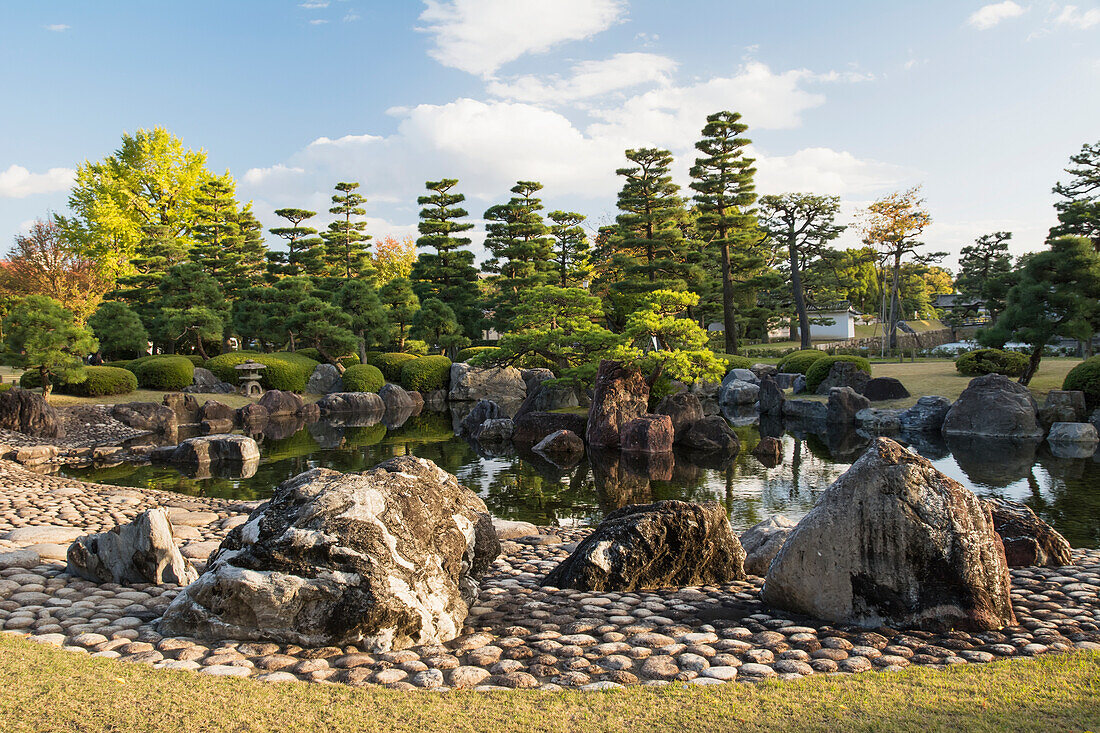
<point>315,355</point>
<point>163,371</point>
<point>817,372</point>
<point>363,378</point>
<point>121,363</point>
<point>991,361</point>
<point>468,352</point>
<point>349,361</point>
<point>735,362</point>
<point>102,381</point>
<point>1086,377</point>
<point>195,359</point>
<point>285,371</point>
<point>799,362</point>
<point>5,387</point>
<point>426,373</point>
<point>416,346</point>
<point>309,353</point>
<point>391,364</point>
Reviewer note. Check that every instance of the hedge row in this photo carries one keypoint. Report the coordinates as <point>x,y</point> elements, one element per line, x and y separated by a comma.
<point>817,372</point>
<point>391,363</point>
<point>991,361</point>
<point>312,353</point>
<point>799,362</point>
<point>286,371</point>
<point>100,381</point>
<point>163,371</point>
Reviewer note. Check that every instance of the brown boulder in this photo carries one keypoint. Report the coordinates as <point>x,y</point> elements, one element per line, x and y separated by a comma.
<point>531,428</point>
<point>647,434</point>
<point>27,412</point>
<point>1028,540</point>
<point>278,402</point>
<point>620,395</point>
<point>683,408</point>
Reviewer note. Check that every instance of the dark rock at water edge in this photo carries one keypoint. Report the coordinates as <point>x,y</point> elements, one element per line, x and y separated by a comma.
<point>351,403</point>
<point>711,435</point>
<point>144,416</point>
<point>385,560</point>
<point>482,411</point>
<point>805,410</point>
<point>769,451</point>
<point>214,410</point>
<point>659,545</point>
<point>326,379</point>
<point>993,405</point>
<point>647,434</point>
<point>496,431</point>
<point>844,374</point>
<point>27,412</point>
<point>185,406</point>
<point>208,449</point>
<point>1028,540</point>
<point>534,426</point>
<point>844,403</point>
<point>1062,406</point>
<point>925,416</point>
<point>894,542</point>
<point>770,397</point>
<point>620,395</point>
<point>278,402</point>
<point>880,389</point>
<point>562,447</point>
<point>683,408</point>
<point>395,398</point>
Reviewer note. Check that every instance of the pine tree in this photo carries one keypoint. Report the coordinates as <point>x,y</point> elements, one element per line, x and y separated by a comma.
<point>723,182</point>
<point>449,274</point>
<point>345,241</point>
<point>570,248</point>
<point>359,300</point>
<point>437,324</point>
<point>401,305</point>
<point>305,250</point>
<point>516,237</point>
<point>192,307</point>
<point>1079,208</point>
<point>157,252</point>
<point>246,268</point>
<point>985,271</point>
<point>216,231</point>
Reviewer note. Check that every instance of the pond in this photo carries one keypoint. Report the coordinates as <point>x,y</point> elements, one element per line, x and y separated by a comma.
<point>1063,491</point>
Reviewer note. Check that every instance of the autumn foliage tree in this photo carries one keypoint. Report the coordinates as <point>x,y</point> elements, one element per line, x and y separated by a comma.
<point>42,263</point>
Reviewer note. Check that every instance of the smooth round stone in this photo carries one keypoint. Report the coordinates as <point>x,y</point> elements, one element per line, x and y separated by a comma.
<point>389,676</point>
<point>518,681</point>
<point>428,678</point>
<point>277,677</point>
<point>890,660</point>
<point>756,670</point>
<point>793,666</point>
<point>616,661</point>
<point>506,666</point>
<point>185,665</point>
<point>661,667</point>
<point>652,640</point>
<point>467,676</point>
<point>225,670</point>
<point>692,662</point>
<point>724,674</point>
<point>601,685</point>
<point>484,655</point>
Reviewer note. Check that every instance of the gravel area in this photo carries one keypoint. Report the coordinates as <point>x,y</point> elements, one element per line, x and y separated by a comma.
<point>519,635</point>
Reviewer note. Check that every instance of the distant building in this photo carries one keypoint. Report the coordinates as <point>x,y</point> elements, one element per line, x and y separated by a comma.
<point>834,321</point>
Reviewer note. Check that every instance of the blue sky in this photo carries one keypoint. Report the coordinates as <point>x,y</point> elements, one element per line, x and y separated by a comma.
<point>982,103</point>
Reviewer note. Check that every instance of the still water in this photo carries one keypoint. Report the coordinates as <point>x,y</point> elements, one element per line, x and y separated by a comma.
<point>1064,491</point>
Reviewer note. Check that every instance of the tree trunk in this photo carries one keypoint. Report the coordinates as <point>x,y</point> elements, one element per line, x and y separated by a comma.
<point>894,302</point>
<point>362,349</point>
<point>44,376</point>
<point>198,342</point>
<point>1032,364</point>
<point>729,323</point>
<point>798,294</point>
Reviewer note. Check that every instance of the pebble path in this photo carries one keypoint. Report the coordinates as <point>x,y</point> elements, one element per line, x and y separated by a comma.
<point>519,635</point>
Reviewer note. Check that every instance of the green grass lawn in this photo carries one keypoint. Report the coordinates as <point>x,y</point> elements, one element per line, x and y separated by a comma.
<point>46,689</point>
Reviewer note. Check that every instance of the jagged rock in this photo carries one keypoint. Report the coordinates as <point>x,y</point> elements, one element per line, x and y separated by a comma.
<point>209,449</point>
<point>683,408</point>
<point>798,385</point>
<point>436,400</point>
<point>1094,418</point>
<point>711,435</point>
<point>994,405</point>
<point>326,379</point>
<point>736,392</point>
<point>742,375</point>
<point>844,403</point>
<point>880,389</point>
<point>926,416</point>
<point>214,410</point>
<point>496,383</point>
<point>495,431</point>
<point>27,412</point>
<point>145,416</point>
<point>215,426</point>
<point>142,551</point>
<point>894,542</point>
<point>532,378</point>
<point>1073,439</point>
<point>309,412</point>
<point>844,374</point>
<point>762,370</point>
<point>385,560</point>
<point>647,434</point>
<point>660,545</point>
<point>786,381</point>
<point>879,421</point>
<point>770,397</point>
<point>620,395</point>
<point>482,411</point>
<point>204,382</point>
<point>278,402</point>
<point>254,414</point>
<point>531,428</point>
<point>32,455</point>
<point>768,451</point>
<point>561,446</point>
<point>543,397</point>
<point>395,398</point>
<point>807,410</point>
<point>351,403</point>
<point>1063,406</point>
<point>1027,539</point>
<point>276,428</point>
<point>185,406</point>
<point>763,541</point>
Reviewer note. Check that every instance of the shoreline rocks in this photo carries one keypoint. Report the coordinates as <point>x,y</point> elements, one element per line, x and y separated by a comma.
<point>993,405</point>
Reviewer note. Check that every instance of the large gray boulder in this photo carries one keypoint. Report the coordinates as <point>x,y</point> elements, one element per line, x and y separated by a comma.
<point>1073,439</point>
<point>501,384</point>
<point>27,412</point>
<point>326,379</point>
<point>205,382</point>
<point>844,403</point>
<point>142,551</point>
<point>1027,539</point>
<point>711,435</point>
<point>207,450</point>
<point>1063,406</point>
<point>496,431</point>
<point>880,389</point>
<point>894,542</point>
<point>995,406</point>
<point>763,541</point>
<point>351,403</point>
<point>878,421</point>
<point>620,395</point>
<point>805,410</point>
<point>844,374</point>
<point>735,392</point>
<point>545,397</point>
<point>561,447</point>
<point>666,544</point>
<point>395,398</point>
<point>926,416</point>
<point>278,402</point>
<point>145,416</point>
<point>484,410</point>
<point>185,406</point>
<point>647,434</point>
<point>386,559</point>
<point>770,397</point>
<point>531,428</point>
<point>683,408</point>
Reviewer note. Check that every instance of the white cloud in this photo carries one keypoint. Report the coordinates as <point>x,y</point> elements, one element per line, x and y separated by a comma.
<point>1074,17</point>
<point>260,175</point>
<point>345,140</point>
<point>17,182</point>
<point>318,21</point>
<point>57,27</point>
<point>314,4</point>
<point>480,36</point>
<point>351,17</point>
<point>990,15</point>
<point>588,79</point>
<point>825,171</point>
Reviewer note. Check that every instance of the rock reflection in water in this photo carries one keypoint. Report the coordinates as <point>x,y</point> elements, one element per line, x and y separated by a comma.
<point>992,462</point>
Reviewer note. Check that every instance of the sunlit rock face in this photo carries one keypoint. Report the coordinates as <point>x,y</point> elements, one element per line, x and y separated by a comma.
<point>388,559</point>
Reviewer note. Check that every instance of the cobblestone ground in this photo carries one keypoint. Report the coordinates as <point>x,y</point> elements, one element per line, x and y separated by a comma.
<point>519,635</point>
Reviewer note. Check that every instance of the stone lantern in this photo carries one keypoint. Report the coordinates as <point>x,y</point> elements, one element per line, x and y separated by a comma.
<point>248,374</point>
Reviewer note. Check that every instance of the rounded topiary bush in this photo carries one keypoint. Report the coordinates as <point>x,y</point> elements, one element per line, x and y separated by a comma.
<point>1086,378</point>
<point>309,352</point>
<point>285,371</point>
<point>735,362</point>
<point>349,360</point>
<point>163,371</point>
<point>195,359</point>
<point>991,361</point>
<point>426,373</point>
<point>817,372</point>
<point>102,381</point>
<point>363,378</point>
<point>800,361</point>
<point>391,364</point>
<point>472,351</point>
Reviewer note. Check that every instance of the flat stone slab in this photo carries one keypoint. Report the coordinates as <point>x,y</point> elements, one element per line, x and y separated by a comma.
<point>34,535</point>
